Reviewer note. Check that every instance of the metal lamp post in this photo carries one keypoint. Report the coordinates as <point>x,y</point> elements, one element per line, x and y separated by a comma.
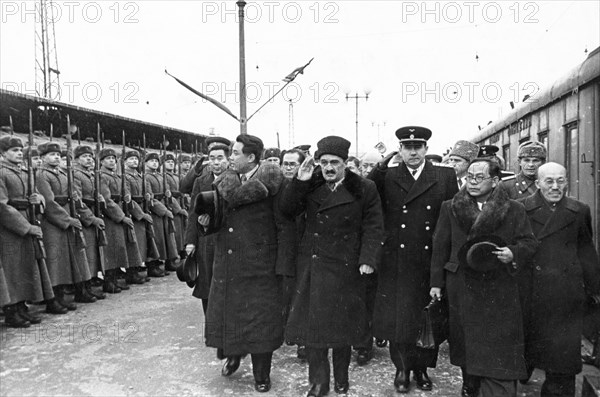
<point>243,126</point>
<point>356,97</point>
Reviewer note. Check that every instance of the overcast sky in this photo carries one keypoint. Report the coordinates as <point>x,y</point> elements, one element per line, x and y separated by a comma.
<point>418,60</point>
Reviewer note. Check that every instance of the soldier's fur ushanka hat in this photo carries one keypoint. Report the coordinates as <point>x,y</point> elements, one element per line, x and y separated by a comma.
<point>8,142</point>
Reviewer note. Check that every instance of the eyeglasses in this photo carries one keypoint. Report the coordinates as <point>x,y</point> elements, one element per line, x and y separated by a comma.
<point>477,178</point>
<point>290,164</point>
<point>334,163</point>
<point>559,182</point>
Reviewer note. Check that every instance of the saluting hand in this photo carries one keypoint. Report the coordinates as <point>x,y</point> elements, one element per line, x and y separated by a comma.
<point>204,220</point>
<point>189,248</point>
<point>365,269</point>
<point>306,169</point>
<point>436,293</point>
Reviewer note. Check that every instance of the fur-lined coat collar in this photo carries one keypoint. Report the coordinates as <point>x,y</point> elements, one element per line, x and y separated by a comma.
<point>265,182</point>
<point>351,182</point>
<point>484,222</point>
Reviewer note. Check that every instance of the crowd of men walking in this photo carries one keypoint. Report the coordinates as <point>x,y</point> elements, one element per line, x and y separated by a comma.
<point>325,252</point>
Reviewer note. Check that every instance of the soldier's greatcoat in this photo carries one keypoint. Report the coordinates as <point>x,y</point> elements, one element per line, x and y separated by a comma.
<point>84,184</point>
<point>344,229</point>
<point>163,226</point>
<point>66,260</point>
<point>245,311</point>
<point>565,270</point>
<point>518,186</point>
<point>486,327</point>
<point>179,214</point>
<point>21,276</point>
<point>411,210</point>
<point>120,251</point>
<point>145,233</point>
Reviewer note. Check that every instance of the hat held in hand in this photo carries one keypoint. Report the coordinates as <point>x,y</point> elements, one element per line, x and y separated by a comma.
<point>478,253</point>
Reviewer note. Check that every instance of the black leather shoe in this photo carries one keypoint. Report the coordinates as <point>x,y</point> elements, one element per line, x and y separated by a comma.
<point>110,287</point>
<point>231,365</point>
<point>82,295</point>
<point>402,381</point>
<point>24,313</point>
<point>170,266</point>
<point>263,386</point>
<point>134,278</point>
<point>423,381</point>
<point>380,342</point>
<point>68,305</point>
<point>364,356</point>
<point>301,352</point>
<point>341,387</point>
<point>13,317</point>
<point>121,284</point>
<point>318,390</point>
<point>53,307</point>
<point>155,271</point>
<point>99,295</point>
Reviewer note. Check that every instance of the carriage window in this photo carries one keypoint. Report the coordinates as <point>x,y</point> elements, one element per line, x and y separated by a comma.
<point>572,157</point>
<point>506,155</point>
<point>543,137</point>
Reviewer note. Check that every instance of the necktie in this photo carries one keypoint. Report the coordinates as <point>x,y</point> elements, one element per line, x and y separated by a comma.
<point>414,172</point>
<point>244,178</point>
<point>331,185</point>
<point>460,183</point>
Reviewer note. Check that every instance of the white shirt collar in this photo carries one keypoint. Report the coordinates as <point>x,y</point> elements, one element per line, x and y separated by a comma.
<point>419,170</point>
<point>338,183</point>
<point>251,172</point>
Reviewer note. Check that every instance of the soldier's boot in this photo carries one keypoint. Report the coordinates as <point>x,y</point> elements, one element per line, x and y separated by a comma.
<point>170,266</point>
<point>154,269</point>
<point>110,285</point>
<point>144,269</point>
<point>83,295</point>
<point>182,254</point>
<point>12,317</point>
<point>24,313</point>
<point>53,307</point>
<point>133,277</point>
<point>121,283</point>
<point>99,295</point>
<point>59,295</point>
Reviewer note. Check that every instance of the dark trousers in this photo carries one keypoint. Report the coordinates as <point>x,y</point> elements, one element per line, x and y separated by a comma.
<point>410,357</point>
<point>490,387</point>
<point>318,364</point>
<point>204,306</point>
<point>370,282</point>
<point>261,364</point>
<point>558,385</point>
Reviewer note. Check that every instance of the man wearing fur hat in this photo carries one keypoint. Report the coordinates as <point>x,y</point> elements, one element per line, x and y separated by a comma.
<point>180,215</point>
<point>481,241</point>
<point>461,155</point>
<point>530,156</point>
<point>65,257</point>
<point>412,192</point>
<point>252,246</point>
<point>22,277</point>
<point>122,246</point>
<point>343,234</point>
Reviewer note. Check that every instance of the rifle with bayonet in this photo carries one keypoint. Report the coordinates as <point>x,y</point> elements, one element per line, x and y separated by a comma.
<point>12,128</point>
<point>181,196</point>
<point>125,203</point>
<point>166,191</point>
<point>38,242</point>
<point>150,236</point>
<point>78,233</point>
<point>100,204</point>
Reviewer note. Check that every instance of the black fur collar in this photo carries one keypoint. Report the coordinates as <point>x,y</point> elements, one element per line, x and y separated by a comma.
<point>264,183</point>
<point>352,182</point>
<point>474,222</point>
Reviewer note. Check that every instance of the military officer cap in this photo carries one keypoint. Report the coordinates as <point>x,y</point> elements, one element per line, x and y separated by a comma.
<point>335,145</point>
<point>532,149</point>
<point>465,149</point>
<point>487,150</point>
<point>82,149</point>
<point>132,153</point>
<point>304,148</point>
<point>8,142</point>
<point>48,147</point>
<point>167,157</point>
<point>433,158</point>
<point>272,152</point>
<point>216,141</point>
<point>30,151</point>
<point>184,157</point>
<point>107,152</point>
<point>413,134</point>
<point>151,156</point>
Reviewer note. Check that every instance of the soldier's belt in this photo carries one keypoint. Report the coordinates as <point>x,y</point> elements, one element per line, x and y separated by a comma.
<point>116,198</point>
<point>159,196</point>
<point>89,202</point>
<point>138,199</point>
<point>20,204</point>
<point>176,194</point>
<point>61,200</point>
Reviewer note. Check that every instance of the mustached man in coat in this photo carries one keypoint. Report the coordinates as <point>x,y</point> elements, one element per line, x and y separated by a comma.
<point>564,273</point>
<point>245,311</point>
<point>342,236</point>
<point>411,194</point>
<point>486,328</point>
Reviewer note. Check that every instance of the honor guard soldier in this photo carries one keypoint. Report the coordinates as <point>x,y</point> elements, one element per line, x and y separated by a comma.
<point>411,195</point>
<point>218,154</point>
<point>185,163</point>
<point>272,155</point>
<point>122,249</point>
<point>63,235</point>
<point>36,161</point>
<point>163,218</point>
<point>93,227</point>
<point>180,215</point>
<point>531,156</point>
<point>144,230</point>
<point>491,152</point>
<point>22,276</point>
<point>460,157</point>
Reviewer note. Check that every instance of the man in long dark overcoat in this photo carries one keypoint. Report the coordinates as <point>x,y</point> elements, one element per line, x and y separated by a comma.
<point>486,328</point>
<point>565,271</point>
<point>245,313</point>
<point>411,193</point>
<point>342,236</point>
<point>201,177</point>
